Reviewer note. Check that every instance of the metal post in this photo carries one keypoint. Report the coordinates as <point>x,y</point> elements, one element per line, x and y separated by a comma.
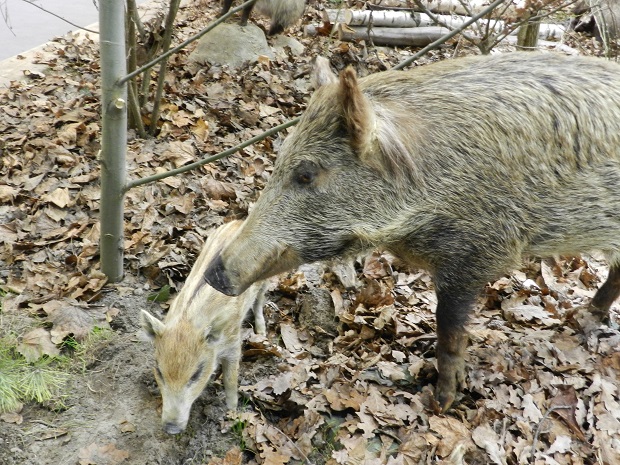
<point>113,136</point>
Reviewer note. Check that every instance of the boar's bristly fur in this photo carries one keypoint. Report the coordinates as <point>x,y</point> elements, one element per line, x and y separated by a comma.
<point>201,330</point>
<point>460,167</point>
<point>283,13</point>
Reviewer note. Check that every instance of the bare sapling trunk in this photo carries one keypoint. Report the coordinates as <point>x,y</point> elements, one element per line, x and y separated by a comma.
<point>113,136</point>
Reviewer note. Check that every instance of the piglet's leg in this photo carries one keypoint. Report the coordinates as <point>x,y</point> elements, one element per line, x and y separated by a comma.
<point>257,309</point>
<point>230,376</point>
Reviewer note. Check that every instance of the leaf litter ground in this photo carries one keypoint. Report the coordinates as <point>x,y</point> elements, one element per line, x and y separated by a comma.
<point>346,372</point>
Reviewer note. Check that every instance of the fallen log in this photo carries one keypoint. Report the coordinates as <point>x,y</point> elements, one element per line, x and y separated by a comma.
<point>470,7</point>
<point>406,19</point>
<point>394,36</point>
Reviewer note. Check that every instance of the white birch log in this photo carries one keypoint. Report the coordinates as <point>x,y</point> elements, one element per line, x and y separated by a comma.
<point>333,16</point>
<point>400,18</point>
<point>394,18</point>
<point>468,7</point>
<point>411,36</point>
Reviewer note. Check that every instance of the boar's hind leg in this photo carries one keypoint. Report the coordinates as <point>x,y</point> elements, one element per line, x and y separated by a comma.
<point>225,7</point>
<point>452,312</point>
<point>245,15</point>
<point>605,296</point>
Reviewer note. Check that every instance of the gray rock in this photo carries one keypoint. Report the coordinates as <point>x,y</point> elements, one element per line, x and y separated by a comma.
<point>317,312</point>
<point>280,42</point>
<point>232,45</point>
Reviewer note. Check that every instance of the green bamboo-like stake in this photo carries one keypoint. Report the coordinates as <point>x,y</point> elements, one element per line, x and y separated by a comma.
<point>113,136</point>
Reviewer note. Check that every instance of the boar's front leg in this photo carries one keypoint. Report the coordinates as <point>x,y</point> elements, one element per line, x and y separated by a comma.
<point>452,310</point>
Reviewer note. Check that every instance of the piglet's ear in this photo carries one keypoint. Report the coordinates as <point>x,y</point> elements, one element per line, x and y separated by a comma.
<point>358,115</point>
<point>151,326</point>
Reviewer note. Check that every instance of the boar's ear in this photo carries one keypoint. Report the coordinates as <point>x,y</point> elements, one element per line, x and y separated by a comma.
<point>151,326</point>
<point>359,117</point>
<point>321,73</point>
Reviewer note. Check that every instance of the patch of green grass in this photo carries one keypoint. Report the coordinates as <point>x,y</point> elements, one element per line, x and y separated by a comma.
<point>23,382</point>
<point>42,381</point>
<point>238,427</point>
<point>80,355</point>
<point>11,369</point>
<point>70,343</point>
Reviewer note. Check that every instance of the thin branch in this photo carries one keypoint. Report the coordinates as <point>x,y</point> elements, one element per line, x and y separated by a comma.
<point>539,427</point>
<point>60,17</point>
<point>132,9</point>
<point>204,161</point>
<point>448,36</point>
<point>163,56</point>
<point>161,79</point>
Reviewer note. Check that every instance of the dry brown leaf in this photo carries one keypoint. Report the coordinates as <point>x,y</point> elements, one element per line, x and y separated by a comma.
<point>127,427</point>
<point>530,411</point>
<point>272,457</point>
<point>37,343</point>
<point>343,395</point>
<point>180,153</point>
<point>451,433</point>
<point>233,457</point>
<point>76,320</point>
<point>486,438</point>
<point>15,418</point>
<point>7,193</point>
<point>219,190</point>
<point>290,337</point>
<point>107,454</point>
<point>374,294</point>
<point>59,197</point>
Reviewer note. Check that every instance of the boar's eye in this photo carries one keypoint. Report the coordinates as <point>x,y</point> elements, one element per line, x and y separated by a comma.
<point>196,376</point>
<point>306,172</point>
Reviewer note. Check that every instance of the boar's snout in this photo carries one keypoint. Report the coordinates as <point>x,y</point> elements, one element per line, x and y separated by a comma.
<point>216,277</point>
<point>173,428</point>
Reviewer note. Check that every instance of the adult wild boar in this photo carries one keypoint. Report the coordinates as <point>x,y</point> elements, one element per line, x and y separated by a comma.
<point>201,329</point>
<point>460,167</point>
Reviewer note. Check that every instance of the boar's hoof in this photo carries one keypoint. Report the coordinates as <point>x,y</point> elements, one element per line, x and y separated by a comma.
<point>173,428</point>
<point>451,379</point>
<point>216,277</point>
<point>589,319</point>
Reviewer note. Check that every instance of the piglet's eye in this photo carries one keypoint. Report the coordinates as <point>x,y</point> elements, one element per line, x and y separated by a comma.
<point>196,376</point>
<point>158,374</point>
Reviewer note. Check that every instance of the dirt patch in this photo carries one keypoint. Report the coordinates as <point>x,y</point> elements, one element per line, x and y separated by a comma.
<point>112,410</point>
